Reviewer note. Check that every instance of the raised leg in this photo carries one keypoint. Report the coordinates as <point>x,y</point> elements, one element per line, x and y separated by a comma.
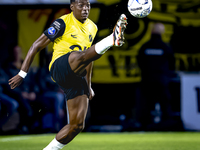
<point>78,60</point>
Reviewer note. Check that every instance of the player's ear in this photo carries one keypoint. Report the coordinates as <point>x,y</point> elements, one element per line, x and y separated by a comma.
<point>72,7</point>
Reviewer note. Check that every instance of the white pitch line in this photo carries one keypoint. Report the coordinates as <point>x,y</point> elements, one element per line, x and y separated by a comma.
<point>14,139</point>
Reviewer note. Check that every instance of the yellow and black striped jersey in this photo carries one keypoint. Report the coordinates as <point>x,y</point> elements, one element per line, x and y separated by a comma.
<point>68,34</point>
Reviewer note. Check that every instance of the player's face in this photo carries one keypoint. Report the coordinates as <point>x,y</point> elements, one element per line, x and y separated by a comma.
<point>81,9</point>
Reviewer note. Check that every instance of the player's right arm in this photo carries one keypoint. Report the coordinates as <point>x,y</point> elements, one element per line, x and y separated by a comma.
<point>37,46</point>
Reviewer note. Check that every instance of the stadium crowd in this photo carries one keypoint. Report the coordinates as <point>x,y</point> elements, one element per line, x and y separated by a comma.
<point>38,102</point>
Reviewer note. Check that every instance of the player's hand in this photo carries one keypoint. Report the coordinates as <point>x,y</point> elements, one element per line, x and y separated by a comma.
<point>15,81</point>
<point>92,94</point>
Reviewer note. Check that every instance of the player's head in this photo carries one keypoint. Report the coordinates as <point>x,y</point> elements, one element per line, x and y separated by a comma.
<point>158,28</point>
<point>81,9</point>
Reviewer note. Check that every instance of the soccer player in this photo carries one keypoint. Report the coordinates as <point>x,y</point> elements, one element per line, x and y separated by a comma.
<point>71,65</point>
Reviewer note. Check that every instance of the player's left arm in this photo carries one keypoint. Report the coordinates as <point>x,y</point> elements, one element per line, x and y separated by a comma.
<point>55,30</point>
<point>88,77</point>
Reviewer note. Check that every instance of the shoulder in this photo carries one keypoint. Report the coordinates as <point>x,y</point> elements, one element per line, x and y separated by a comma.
<point>92,24</point>
<point>56,29</point>
<point>65,17</point>
<point>62,21</point>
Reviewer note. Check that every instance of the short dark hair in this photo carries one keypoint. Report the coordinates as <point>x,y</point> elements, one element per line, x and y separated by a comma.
<point>71,1</point>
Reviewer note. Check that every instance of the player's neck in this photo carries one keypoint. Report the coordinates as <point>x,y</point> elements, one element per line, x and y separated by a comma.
<point>81,21</point>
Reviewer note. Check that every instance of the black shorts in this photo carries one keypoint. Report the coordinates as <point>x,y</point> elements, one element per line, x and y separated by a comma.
<point>72,84</point>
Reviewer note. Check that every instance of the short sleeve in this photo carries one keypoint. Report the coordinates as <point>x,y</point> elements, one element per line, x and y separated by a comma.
<point>56,29</point>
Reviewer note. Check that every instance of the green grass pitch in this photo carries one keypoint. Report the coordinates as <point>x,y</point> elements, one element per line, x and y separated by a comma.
<point>109,141</point>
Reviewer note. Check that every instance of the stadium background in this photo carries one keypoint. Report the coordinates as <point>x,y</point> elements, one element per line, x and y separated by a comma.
<point>115,95</point>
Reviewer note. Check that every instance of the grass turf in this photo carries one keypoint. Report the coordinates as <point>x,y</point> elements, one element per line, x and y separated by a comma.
<point>109,141</point>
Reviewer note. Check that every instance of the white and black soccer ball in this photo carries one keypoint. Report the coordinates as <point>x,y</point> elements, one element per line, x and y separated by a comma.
<point>140,8</point>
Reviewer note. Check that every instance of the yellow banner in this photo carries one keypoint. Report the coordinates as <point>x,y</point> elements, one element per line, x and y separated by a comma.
<point>118,65</point>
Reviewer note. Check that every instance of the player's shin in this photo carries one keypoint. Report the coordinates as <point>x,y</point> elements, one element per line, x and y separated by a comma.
<point>102,46</point>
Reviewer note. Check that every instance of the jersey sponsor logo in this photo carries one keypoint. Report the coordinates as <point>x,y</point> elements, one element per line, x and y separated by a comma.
<point>51,31</point>
<point>74,36</point>
<point>57,25</point>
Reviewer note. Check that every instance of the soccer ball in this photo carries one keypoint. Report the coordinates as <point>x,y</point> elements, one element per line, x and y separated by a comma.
<point>140,8</point>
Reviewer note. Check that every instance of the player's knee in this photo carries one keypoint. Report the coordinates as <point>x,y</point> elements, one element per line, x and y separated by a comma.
<point>82,58</point>
<point>78,58</point>
<point>81,127</point>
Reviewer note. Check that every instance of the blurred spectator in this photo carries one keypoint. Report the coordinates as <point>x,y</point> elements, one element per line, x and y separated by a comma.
<point>8,105</point>
<point>40,100</point>
<point>24,94</point>
<point>52,99</point>
<point>156,61</point>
